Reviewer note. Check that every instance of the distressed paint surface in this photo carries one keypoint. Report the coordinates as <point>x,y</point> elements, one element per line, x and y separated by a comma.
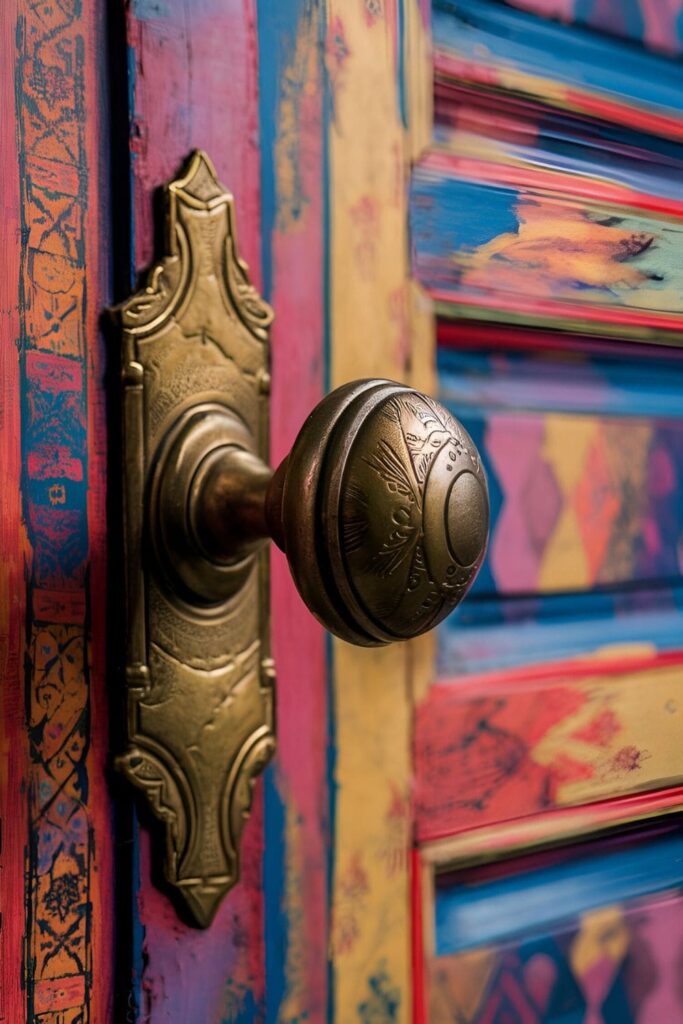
<point>13,550</point>
<point>656,23</point>
<point>552,193</point>
<point>296,809</point>
<point>583,452</point>
<point>495,748</point>
<point>371,313</point>
<point>67,848</point>
<point>546,222</point>
<point>193,84</point>
<point>584,501</point>
<point>525,243</point>
<point>488,44</point>
<point>265,958</point>
<point>602,945</point>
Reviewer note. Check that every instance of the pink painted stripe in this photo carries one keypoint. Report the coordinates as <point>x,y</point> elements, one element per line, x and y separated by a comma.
<point>195,87</point>
<point>100,807</point>
<point>297,253</point>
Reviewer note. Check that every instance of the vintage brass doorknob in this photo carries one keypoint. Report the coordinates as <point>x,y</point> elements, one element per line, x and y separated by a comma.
<point>381,508</point>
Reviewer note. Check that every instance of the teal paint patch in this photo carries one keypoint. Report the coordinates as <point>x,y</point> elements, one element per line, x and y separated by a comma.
<point>150,10</point>
<point>246,1010</point>
<point>274,881</point>
<point>382,1004</point>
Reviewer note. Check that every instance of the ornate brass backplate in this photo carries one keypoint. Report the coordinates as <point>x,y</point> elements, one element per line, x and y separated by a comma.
<point>199,675</point>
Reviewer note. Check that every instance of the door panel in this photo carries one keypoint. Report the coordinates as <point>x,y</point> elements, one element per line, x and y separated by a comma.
<point>591,933</point>
<point>545,219</point>
<point>534,732</point>
<point>197,80</point>
<point>193,83</point>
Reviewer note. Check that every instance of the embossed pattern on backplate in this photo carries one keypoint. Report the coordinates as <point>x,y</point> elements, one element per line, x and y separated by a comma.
<point>199,675</point>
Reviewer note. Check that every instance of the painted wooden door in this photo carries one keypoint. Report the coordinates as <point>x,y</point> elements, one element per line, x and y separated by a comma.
<point>546,224</point>
<point>101,104</point>
<point>512,167</point>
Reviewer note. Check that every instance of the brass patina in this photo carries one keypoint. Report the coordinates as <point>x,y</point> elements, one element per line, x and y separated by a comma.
<point>381,508</point>
<point>199,674</point>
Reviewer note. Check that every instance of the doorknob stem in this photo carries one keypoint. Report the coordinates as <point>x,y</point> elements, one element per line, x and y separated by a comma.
<point>228,504</point>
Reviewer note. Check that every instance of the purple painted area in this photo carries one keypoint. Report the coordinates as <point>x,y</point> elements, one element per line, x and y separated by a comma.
<point>513,555</point>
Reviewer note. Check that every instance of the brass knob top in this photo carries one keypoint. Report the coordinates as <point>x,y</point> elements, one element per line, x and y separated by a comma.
<point>382,510</point>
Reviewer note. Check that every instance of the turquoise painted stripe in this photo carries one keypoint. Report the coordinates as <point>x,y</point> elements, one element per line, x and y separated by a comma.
<point>542,900</point>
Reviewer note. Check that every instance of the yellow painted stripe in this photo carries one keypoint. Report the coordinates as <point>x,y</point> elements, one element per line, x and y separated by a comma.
<point>381,326</point>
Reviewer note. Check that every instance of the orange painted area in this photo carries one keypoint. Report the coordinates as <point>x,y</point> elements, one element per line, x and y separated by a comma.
<point>559,241</point>
<point>499,748</point>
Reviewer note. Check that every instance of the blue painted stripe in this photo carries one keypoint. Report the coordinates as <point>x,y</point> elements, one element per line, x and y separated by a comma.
<point>522,636</point>
<point>560,53</point>
<point>535,901</point>
<point>473,383</point>
<point>277,32</point>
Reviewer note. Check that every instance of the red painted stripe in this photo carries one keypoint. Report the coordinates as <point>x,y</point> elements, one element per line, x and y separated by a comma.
<point>557,671</point>
<point>603,813</point>
<point>469,334</point>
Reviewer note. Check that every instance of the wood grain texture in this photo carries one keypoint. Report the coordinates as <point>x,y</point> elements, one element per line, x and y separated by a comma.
<point>370,335</point>
<point>193,84</point>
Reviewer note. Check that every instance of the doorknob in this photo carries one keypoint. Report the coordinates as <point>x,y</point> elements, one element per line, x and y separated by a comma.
<point>381,508</point>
